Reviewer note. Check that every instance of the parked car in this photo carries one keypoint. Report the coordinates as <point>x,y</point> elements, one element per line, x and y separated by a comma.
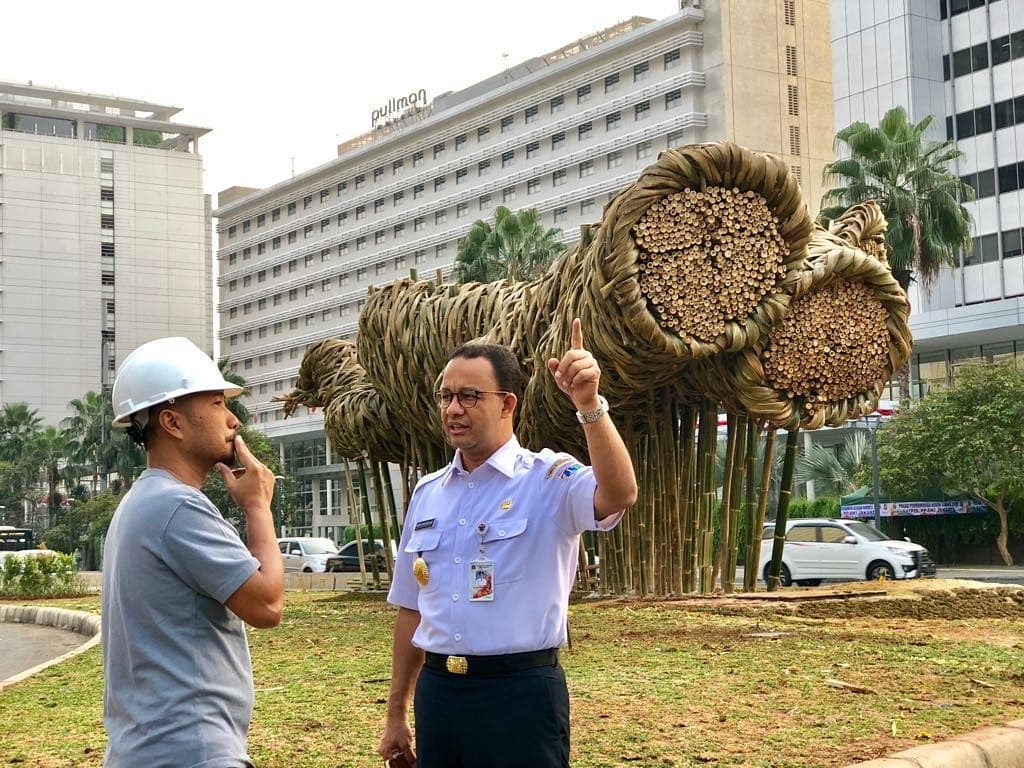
<point>347,558</point>
<point>306,554</point>
<point>822,548</point>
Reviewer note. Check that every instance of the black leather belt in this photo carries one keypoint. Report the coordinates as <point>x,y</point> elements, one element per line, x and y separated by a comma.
<point>503,664</point>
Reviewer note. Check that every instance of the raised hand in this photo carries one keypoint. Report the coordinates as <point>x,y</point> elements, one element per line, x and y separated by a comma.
<point>252,484</point>
<point>577,373</point>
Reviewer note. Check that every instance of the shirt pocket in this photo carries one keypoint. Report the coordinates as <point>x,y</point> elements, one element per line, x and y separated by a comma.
<point>505,544</point>
<point>426,544</point>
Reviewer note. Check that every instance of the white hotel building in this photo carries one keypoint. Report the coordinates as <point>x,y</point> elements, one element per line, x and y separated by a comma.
<point>963,62</point>
<point>562,133</point>
<point>104,239</point>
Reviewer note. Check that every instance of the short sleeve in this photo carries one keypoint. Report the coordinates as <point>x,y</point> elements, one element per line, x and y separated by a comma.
<point>405,590</point>
<point>205,552</point>
<point>577,505</point>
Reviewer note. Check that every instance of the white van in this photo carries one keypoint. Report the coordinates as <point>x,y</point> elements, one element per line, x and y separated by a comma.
<point>306,554</point>
<point>822,548</point>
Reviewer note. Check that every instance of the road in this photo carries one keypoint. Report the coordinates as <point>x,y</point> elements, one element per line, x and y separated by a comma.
<point>995,574</point>
<point>26,645</point>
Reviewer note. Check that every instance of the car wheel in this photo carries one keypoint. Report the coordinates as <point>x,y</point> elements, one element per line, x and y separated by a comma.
<point>809,582</point>
<point>785,579</point>
<point>307,569</point>
<point>880,570</point>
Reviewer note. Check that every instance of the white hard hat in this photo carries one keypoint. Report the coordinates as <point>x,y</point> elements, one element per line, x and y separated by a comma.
<point>163,370</point>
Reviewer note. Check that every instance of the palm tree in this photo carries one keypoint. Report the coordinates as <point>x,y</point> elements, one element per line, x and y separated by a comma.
<point>235,404</point>
<point>832,473</point>
<point>50,449</point>
<point>89,427</point>
<point>908,176</point>
<point>517,247</point>
<point>19,425</point>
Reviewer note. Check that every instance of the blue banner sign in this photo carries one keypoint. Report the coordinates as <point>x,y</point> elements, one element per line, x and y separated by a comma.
<point>910,509</point>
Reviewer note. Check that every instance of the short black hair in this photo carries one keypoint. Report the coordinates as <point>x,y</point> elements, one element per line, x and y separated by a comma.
<point>506,368</point>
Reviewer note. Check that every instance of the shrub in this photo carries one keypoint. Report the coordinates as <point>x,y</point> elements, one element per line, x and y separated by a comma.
<point>40,575</point>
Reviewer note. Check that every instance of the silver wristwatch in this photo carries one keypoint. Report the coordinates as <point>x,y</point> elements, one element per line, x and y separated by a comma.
<point>591,416</point>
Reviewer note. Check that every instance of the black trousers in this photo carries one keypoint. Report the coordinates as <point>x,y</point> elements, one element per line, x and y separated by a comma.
<point>518,720</point>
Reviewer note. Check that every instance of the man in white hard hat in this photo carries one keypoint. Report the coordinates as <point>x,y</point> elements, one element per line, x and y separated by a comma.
<point>178,582</point>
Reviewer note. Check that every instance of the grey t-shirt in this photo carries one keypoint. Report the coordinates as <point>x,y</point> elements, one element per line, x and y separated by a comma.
<point>178,676</point>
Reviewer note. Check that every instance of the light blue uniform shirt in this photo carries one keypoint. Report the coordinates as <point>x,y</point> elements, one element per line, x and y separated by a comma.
<point>534,507</point>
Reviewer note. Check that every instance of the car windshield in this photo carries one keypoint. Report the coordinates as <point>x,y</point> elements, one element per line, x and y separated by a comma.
<point>866,531</point>
<point>319,547</point>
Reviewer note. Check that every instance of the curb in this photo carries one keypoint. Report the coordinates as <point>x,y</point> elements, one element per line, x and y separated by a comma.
<point>87,624</point>
<point>995,747</point>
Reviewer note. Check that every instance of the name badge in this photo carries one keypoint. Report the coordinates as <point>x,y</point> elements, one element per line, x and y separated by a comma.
<point>425,524</point>
<point>481,581</point>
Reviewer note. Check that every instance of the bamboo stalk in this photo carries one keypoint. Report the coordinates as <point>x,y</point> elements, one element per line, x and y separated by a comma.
<point>753,537</point>
<point>724,526</point>
<point>353,516</point>
<point>767,465</point>
<point>782,513</point>
<point>687,479</point>
<point>369,522</point>
<point>736,482</point>
<point>382,513</point>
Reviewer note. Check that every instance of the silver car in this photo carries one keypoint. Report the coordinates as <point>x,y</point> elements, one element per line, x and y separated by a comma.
<point>306,554</point>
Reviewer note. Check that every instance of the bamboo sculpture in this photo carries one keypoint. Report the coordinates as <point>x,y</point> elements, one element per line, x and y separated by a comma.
<point>705,287</point>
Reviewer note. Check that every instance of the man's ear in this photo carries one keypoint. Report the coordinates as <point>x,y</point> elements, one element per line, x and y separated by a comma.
<point>170,420</point>
<point>508,405</point>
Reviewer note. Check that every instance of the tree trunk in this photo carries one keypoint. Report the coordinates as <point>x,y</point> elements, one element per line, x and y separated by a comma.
<point>1000,510</point>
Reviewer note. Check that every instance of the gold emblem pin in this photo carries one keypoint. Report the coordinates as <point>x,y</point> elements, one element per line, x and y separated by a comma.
<point>506,504</point>
<point>421,571</point>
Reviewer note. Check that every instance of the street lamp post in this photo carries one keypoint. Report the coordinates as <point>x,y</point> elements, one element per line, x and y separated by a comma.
<point>280,492</point>
<point>872,420</point>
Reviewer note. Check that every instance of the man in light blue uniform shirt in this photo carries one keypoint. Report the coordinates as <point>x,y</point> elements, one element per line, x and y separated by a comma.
<point>487,559</point>
<point>177,580</point>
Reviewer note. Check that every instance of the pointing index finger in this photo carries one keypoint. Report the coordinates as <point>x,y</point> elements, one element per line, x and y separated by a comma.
<point>242,452</point>
<point>577,334</point>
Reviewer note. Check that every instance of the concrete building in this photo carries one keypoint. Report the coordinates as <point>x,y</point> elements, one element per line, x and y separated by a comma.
<point>561,133</point>
<point>963,62</point>
<point>104,239</point>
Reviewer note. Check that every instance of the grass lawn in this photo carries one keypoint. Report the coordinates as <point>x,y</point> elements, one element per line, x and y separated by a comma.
<point>661,683</point>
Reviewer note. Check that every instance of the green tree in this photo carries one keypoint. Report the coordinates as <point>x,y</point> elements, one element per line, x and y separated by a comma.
<point>235,404</point>
<point>908,176</point>
<point>214,486</point>
<point>832,473</point>
<point>19,425</point>
<point>517,247</point>
<point>50,449</point>
<point>966,441</point>
<point>89,426</point>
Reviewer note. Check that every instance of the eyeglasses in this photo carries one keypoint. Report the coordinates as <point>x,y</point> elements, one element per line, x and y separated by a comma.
<point>467,398</point>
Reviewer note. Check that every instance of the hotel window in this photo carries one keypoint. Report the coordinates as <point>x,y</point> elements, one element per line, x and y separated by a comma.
<point>532,149</point>
<point>611,82</point>
<point>233,313</point>
<point>419,257</point>
<point>557,104</point>
<point>246,226</point>
<point>557,140</point>
<point>399,231</point>
<point>378,269</point>
<point>483,168</point>
<point>508,194</point>
<point>378,205</point>
<point>378,237</point>
<point>532,113</point>
<point>615,159</point>
<point>310,319</point>
<point>418,223</point>
<point>344,310</point>
<point>325,225</point>
<point>642,110</point>
<point>396,199</point>
<point>293,265</point>
<point>438,150</point>
<point>293,325</point>
<point>440,249</point>
<point>232,231</point>
<point>343,280</point>
<point>644,149</point>
<point>794,100</point>
<point>342,249</point>
<point>675,139</point>
<point>360,274</point>
<point>612,121</point>
<point>396,166</point>
<point>232,286</point>
<point>325,255</point>
<point>292,237</point>
<point>342,217</point>
<point>307,201</point>
<point>587,207</point>
<point>507,123</point>
<point>672,59</point>
<point>232,259</point>
<point>276,271</point>
<point>278,328</point>
<point>461,210</point>
<point>673,99</point>
<point>789,10</point>
<point>360,243</point>
<point>481,132</point>
<point>261,220</point>
<point>247,309</point>
<point>791,60</point>
<point>507,158</point>
<point>583,94</point>
<point>417,191</point>
<point>794,140</point>
<point>585,130</point>
<point>308,260</point>
<point>485,202</point>
<point>586,168</point>
<point>248,363</point>
<point>561,214</point>
<point>291,209</point>
<point>261,277</point>
<point>246,281</point>
<point>307,231</point>
<point>342,188</point>
<point>532,186</point>
<point>275,214</point>
<point>640,71</point>
<point>460,142</point>
<point>234,339</point>
<point>261,248</point>
<point>324,194</point>
<point>439,183</point>
<point>278,357</point>
<point>360,212</point>
<point>400,262</point>
<point>417,159</point>
<point>325,285</point>
<point>440,217</point>
<point>360,181</point>
<point>460,175</point>
<point>378,174</point>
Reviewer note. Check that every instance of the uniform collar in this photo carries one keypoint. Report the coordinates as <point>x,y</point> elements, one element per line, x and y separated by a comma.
<point>504,460</point>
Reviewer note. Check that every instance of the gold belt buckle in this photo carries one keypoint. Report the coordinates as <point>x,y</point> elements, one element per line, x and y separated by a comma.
<point>457,665</point>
